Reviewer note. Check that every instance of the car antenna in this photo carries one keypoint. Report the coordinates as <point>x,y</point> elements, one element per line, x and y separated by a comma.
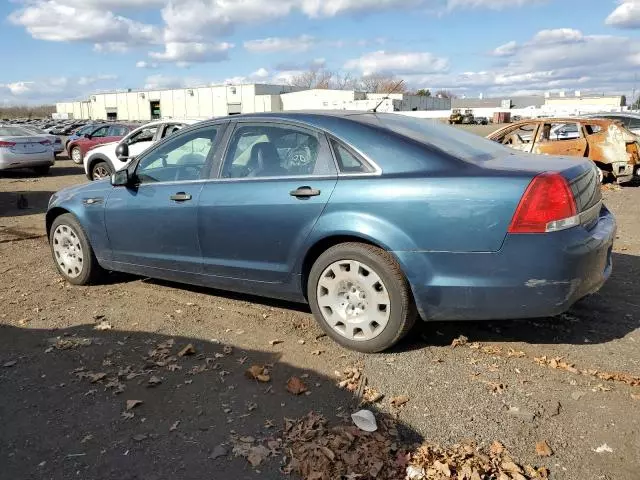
<point>395,87</point>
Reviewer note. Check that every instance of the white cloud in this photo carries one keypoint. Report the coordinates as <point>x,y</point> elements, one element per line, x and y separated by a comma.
<point>398,63</point>
<point>95,79</point>
<point>626,15</point>
<point>185,53</point>
<point>278,44</point>
<point>160,81</point>
<point>58,22</point>
<point>557,36</point>
<point>111,47</point>
<point>506,50</point>
<point>51,90</point>
<point>145,64</point>
<point>492,4</point>
<point>260,73</point>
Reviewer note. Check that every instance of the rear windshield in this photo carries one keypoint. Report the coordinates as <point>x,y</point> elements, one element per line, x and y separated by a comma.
<point>13,132</point>
<point>451,140</point>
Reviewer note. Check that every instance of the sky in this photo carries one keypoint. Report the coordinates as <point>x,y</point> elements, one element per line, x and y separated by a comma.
<point>59,50</point>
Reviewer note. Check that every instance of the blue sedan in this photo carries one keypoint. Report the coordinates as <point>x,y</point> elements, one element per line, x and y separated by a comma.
<point>375,220</point>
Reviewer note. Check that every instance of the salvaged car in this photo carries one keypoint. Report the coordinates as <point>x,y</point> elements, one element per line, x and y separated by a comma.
<point>375,220</point>
<point>613,148</point>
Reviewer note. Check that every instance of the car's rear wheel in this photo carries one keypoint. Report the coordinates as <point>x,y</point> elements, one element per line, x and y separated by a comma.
<point>360,297</point>
<point>72,253</point>
<point>42,170</point>
<point>76,155</point>
<point>100,170</point>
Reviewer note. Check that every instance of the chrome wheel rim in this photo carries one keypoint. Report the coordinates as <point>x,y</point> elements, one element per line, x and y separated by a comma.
<point>76,156</point>
<point>68,251</point>
<point>353,300</point>
<point>100,172</point>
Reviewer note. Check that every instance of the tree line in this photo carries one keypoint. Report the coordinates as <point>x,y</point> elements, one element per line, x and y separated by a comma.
<point>27,111</point>
<point>326,79</point>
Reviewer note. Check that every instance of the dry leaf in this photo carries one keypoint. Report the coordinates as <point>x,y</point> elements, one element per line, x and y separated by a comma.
<point>258,372</point>
<point>257,455</point>
<point>96,377</point>
<point>496,448</point>
<point>275,342</point>
<point>457,342</point>
<point>296,386</point>
<point>188,350</point>
<point>131,404</point>
<point>128,415</point>
<point>103,325</point>
<point>604,448</point>
<point>153,381</point>
<point>543,449</point>
<point>174,426</point>
<point>399,401</point>
<point>10,364</point>
<point>635,396</point>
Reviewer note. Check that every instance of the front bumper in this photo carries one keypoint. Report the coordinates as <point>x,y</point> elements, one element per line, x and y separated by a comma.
<point>531,276</point>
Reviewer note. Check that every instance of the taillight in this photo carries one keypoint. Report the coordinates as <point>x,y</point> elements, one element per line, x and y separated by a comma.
<point>7,144</point>
<point>546,206</point>
<point>45,142</point>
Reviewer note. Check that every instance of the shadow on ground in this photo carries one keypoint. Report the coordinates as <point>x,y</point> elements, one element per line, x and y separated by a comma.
<point>19,203</point>
<point>61,422</point>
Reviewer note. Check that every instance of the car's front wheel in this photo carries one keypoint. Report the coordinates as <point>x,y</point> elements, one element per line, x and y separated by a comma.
<point>100,170</point>
<point>360,297</point>
<point>72,253</point>
<point>76,155</point>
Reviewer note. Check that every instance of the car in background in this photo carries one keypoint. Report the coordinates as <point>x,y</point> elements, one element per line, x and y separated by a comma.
<point>79,132</point>
<point>56,141</point>
<point>100,134</point>
<point>20,148</point>
<point>374,219</point>
<point>101,161</point>
<point>481,121</point>
<point>613,148</point>
<point>630,120</point>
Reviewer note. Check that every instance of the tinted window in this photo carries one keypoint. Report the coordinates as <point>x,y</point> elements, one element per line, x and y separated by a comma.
<point>348,162</point>
<point>170,129</point>
<point>181,158</point>
<point>100,132</point>
<point>144,135</point>
<point>118,131</point>
<point>633,122</point>
<point>273,151</point>
<point>450,140</point>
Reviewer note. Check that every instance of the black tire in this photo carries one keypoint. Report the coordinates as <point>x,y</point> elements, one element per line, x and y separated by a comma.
<point>79,153</point>
<point>99,167</point>
<point>42,170</point>
<point>91,271</point>
<point>403,312</point>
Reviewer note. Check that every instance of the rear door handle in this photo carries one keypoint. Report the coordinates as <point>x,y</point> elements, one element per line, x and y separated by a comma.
<point>180,197</point>
<point>303,192</point>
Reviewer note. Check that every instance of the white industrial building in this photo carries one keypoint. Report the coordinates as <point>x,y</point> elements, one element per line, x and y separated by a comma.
<point>222,100</point>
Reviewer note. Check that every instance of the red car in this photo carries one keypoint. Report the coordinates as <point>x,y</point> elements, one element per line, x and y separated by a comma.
<point>105,133</point>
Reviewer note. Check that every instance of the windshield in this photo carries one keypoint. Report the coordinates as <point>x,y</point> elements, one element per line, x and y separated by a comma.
<point>453,141</point>
<point>13,132</point>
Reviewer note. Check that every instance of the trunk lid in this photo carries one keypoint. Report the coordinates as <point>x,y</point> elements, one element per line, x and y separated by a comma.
<point>27,144</point>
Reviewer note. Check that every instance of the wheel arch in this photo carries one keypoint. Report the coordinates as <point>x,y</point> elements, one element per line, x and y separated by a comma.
<point>322,245</point>
<point>52,215</point>
<point>93,159</point>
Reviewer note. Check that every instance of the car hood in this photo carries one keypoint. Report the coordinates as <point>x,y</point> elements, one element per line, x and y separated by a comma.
<point>103,147</point>
<point>98,188</point>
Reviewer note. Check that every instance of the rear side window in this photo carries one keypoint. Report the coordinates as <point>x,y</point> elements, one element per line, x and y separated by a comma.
<point>118,131</point>
<point>348,162</point>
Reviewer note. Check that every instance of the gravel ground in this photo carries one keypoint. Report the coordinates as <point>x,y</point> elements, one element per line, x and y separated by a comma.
<point>505,382</point>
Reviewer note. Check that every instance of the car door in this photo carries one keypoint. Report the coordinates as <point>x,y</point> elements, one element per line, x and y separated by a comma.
<point>549,144</point>
<point>273,184</point>
<point>153,223</point>
<point>96,137</point>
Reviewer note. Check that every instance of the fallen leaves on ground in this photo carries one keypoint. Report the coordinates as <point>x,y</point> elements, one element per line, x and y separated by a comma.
<point>258,372</point>
<point>255,452</point>
<point>103,325</point>
<point>460,341</point>
<point>131,404</point>
<point>188,350</point>
<point>399,401</point>
<point>604,448</point>
<point>296,386</point>
<point>68,343</point>
<point>174,426</point>
<point>543,449</point>
<point>10,364</point>
<point>154,381</point>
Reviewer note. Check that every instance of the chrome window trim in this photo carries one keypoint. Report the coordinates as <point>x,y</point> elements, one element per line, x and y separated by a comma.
<point>377,171</point>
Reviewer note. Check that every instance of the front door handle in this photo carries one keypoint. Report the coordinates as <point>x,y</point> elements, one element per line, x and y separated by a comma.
<point>304,192</point>
<point>180,197</point>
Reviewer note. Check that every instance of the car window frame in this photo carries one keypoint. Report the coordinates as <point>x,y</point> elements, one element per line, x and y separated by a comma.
<point>93,132</point>
<point>112,132</point>
<point>209,161</point>
<point>376,171</point>
<point>323,146</point>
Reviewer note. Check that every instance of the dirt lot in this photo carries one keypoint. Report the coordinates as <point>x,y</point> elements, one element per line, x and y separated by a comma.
<point>573,381</point>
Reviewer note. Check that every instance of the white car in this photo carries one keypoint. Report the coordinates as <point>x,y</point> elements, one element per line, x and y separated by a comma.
<point>102,160</point>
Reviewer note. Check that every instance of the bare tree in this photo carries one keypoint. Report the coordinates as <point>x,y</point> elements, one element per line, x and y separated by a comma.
<point>382,84</point>
<point>24,111</point>
<point>343,81</point>
<point>314,78</point>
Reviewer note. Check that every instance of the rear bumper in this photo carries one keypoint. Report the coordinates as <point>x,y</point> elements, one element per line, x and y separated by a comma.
<point>23,161</point>
<point>531,276</point>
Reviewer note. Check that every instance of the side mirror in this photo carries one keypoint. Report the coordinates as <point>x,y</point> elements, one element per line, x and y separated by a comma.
<point>122,152</point>
<point>120,178</point>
